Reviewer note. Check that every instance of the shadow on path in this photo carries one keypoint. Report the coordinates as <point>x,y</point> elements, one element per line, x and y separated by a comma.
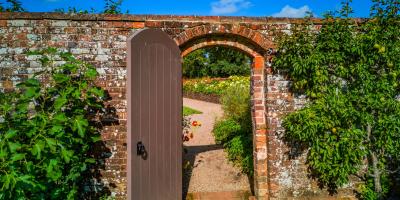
<point>190,153</point>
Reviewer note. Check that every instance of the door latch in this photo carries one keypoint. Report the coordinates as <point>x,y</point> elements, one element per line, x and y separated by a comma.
<point>140,149</point>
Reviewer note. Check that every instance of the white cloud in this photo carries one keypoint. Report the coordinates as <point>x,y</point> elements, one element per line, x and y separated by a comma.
<point>223,7</point>
<point>289,11</point>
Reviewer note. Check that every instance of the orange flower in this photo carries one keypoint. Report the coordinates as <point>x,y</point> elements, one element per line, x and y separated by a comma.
<point>194,123</point>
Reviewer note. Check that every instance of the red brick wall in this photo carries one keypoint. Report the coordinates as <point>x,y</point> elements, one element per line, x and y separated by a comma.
<point>101,40</point>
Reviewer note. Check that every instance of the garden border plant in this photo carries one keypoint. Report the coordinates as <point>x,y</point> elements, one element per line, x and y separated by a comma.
<point>49,127</point>
<point>234,130</point>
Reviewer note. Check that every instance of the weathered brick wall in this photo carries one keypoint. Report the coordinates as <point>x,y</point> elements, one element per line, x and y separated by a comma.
<point>101,40</point>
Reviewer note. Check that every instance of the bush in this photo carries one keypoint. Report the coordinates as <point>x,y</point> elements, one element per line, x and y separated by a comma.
<point>47,130</point>
<point>234,131</point>
<point>240,151</point>
<point>224,130</point>
<point>236,102</point>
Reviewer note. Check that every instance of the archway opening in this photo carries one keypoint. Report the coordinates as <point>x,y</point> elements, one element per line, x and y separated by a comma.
<point>218,155</point>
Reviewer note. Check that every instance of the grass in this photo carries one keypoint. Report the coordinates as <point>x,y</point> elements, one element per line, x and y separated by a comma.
<point>190,111</point>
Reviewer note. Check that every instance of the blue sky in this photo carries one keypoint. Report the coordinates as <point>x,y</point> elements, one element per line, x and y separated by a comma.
<point>278,8</point>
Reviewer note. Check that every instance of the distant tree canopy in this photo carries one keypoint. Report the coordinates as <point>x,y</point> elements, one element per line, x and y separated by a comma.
<point>110,7</point>
<point>11,6</point>
<point>216,62</point>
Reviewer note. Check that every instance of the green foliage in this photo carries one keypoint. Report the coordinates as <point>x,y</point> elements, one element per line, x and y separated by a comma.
<point>47,129</point>
<point>215,62</point>
<point>190,111</point>
<point>236,101</point>
<point>194,64</point>
<point>14,6</point>
<point>234,131</point>
<point>225,129</point>
<point>367,191</point>
<point>350,73</point>
<point>112,7</point>
<point>215,86</point>
<point>75,10</point>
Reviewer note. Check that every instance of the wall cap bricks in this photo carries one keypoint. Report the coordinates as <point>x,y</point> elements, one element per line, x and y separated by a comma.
<point>142,18</point>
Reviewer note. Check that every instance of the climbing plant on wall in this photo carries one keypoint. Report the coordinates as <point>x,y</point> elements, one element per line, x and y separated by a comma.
<point>48,126</point>
<point>350,71</point>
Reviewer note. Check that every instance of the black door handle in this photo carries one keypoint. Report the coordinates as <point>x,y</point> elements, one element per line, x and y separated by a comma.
<point>140,149</point>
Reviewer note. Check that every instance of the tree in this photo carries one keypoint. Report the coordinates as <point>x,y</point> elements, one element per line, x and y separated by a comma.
<point>15,6</point>
<point>75,10</point>
<point>216,61</point>
<point>350,72</point>
<point>112,7</point>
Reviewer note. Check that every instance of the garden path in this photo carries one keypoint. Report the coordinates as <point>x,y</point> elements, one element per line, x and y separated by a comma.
<point>209,169</point>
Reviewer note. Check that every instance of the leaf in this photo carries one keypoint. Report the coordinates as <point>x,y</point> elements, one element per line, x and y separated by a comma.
<point>91,73</point>
<point>67,154</point>
<point>96,138</point>
<point>90,160</point>
<point>80,124</point>
<point>31,92</point>
<point>61,78</point>
<point>60,117</point>
<point>32,82</point>
<point>3,153</point>
<point>56,129</point>
<point>10,134</point>
<point>18,156</point>
<point>6,179</point>
<point>52,143</point>
<point>38,148</point>
<point>97,92</point>
<point>60,102</point>
<point>14,146</point>
<point>52,171</point>
<point>27,179</point>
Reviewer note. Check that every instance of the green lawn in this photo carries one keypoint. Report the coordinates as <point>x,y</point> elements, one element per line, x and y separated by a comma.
<point>189,111</point>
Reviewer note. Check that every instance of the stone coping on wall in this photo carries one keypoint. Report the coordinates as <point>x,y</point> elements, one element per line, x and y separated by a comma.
<point>142,18</point>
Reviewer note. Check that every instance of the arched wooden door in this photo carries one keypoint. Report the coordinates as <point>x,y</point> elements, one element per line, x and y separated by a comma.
<point>154,94</point>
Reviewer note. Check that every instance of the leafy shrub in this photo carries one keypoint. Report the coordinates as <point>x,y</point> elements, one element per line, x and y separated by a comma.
<point>224,130</point>
<point>240,151</point>
<point>47,128</point>
<point>234,131</point>
<point>236,102</point>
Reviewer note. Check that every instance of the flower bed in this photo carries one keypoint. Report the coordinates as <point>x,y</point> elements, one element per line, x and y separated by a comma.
<point>212,86</point>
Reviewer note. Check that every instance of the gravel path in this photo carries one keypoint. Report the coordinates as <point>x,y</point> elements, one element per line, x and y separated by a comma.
<point>210,170</point>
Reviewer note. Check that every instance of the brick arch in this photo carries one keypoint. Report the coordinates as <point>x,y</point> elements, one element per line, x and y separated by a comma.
<point>243,48</point>
<point>228,32</point>
<point>258,60</point>
<point>257,46</point>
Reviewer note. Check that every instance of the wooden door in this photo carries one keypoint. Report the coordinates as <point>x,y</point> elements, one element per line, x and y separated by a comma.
<point>154,94</point>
